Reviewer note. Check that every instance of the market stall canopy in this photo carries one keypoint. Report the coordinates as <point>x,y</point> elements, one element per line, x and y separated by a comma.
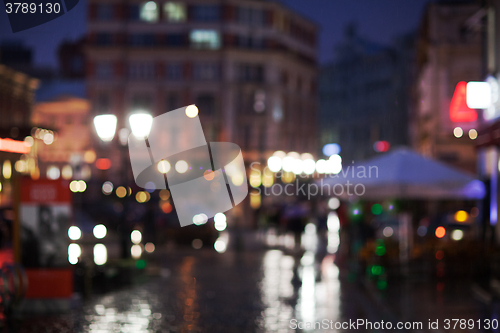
<point>403,174</point>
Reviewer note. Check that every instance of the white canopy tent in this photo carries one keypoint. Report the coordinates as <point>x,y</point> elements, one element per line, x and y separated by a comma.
<point>404,174</point>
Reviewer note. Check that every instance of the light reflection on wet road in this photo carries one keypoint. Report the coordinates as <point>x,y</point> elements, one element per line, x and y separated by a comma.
<point>247,292</point>
<point>210,292</point>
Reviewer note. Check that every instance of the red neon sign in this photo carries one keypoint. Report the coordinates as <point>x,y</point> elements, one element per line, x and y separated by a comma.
<point>459,111</point>
<point>14,146</point>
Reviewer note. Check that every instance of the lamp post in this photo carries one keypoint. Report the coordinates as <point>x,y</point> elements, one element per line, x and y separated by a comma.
<point>140,123</point>
<point>105,126</point>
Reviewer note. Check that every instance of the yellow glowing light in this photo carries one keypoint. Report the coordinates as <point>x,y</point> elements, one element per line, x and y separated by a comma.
<point>142,196</point>
<point>73,186</point>
<point>191,111</point>
<point>7,169</point>
<point>35,173</point>
<point>121,192</point>
<point>473,134</point>
<point>67,172</point>
<point>237,179</point>
<point>89,156</point>
<point>164,194</point>
<point>268,179</point>
<point>255,200</point>
<point>255,178</point>
<point>20,166</point>
<point>82,186</point>
<point>163,166</point>
<point>461,216</point>
<point>288,177</point>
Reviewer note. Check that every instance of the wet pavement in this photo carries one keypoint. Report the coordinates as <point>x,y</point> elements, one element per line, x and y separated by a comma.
<point>260,291</point>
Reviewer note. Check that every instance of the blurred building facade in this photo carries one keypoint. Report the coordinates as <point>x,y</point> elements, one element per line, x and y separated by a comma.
<point>71,147</point>
<point>447,53</point>
<point>488,141</point>
<point>72,59</point>
<point>365,95</point>
<point>17,92</point>
<point>250,67</point>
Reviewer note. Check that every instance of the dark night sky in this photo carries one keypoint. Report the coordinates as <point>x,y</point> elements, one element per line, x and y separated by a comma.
<point>378,20</point>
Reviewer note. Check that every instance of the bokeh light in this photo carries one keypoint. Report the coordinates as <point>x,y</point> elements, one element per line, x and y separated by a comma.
<point>136,236</point>
<point>100,231</point>
<point>440,232</point>
<point>74,233</point>
<point>461,216</point>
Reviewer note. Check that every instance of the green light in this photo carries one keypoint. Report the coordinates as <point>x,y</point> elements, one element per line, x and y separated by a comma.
<point>377,209</point>
<point>140,264</point>
<point>377,270</point>
<point>381,284</point>
<point>380,250</point>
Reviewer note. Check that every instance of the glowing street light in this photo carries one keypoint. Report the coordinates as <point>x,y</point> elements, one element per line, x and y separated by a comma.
<point>74,233</point>
<point>309,166</point>
<point>140,123</point>
<point>100,231</point>
<point>274,163</point>
<point>136,236</point>
<point>105,126</point>
<point>100,254</point>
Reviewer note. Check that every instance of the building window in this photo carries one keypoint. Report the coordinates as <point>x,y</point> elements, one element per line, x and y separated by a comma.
<point>142,40</point>
<point>141,71</point>
<point>206,71</point>
<point>174,11</point>
<point>175,40</point>
<point>258,43</point>
<point>243,42</point>
<point>104,70</point>
<point>174,72</point>
<point>104,11</point>
<point>104,39</point>
<point>173,102</point>
<point>250,42</point>
<point>250,73</point>
<point>134,12</point>
<point>251,16</point>
<point>149,12</point>
<point>142,102</point>
<point>206,104</point>
<point>103,102</point>
<point>206,13</point>
<point>247,137</point>
<point>205,39</point>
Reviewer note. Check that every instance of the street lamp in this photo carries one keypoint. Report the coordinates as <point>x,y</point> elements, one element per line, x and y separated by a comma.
<point>140,123</point>
<point>105,126</point>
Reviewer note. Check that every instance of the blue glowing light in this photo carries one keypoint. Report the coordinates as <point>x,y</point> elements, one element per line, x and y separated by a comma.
<point>331,149</point>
